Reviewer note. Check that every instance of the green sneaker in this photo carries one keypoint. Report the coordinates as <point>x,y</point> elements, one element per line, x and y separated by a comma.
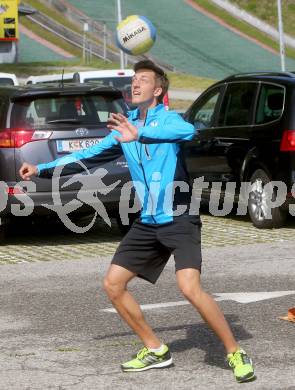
<point>241,365</point>
<point>145,359</point>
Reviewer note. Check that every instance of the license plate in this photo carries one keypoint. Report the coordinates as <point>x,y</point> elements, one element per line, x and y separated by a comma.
<point>72,145</point>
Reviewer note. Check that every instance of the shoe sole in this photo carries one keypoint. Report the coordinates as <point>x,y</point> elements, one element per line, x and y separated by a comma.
<point>246,379</point>
<point>164,364</point>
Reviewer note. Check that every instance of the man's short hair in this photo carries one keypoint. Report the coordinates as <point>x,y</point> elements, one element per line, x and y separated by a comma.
<point>161,76</point>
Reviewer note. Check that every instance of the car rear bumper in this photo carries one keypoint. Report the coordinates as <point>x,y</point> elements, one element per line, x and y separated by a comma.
<point>46,203</point>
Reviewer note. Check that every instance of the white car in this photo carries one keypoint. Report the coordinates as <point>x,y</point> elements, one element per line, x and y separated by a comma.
<point>8,79</point>
<point>117,78</point>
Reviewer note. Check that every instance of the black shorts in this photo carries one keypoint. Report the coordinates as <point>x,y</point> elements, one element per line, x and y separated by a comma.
<point>146,248</point>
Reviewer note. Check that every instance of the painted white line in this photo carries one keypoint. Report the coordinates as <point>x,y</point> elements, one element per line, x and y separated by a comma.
<point>246,297</point>
<point>154,306</point>
<point>252,296</point>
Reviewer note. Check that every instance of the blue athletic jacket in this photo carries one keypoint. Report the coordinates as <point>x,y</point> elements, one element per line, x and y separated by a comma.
<point>154,160</point>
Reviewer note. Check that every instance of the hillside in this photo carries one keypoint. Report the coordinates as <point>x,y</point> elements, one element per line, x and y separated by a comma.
<point>193,36</point>
<point>267,11</point>
<point>192,41</point>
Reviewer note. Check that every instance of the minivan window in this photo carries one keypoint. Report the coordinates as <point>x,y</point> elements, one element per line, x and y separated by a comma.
<point>236,108</point>
<point>270,103</point>
<point>86,109</point>
<point>203,113</point>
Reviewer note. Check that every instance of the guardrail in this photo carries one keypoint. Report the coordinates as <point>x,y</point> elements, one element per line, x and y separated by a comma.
<point>70,36</point>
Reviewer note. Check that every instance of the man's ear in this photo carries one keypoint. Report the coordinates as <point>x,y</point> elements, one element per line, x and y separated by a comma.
<point>158,91</point>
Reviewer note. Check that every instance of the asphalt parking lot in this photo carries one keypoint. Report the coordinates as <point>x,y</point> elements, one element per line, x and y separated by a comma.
<point>58,332</point>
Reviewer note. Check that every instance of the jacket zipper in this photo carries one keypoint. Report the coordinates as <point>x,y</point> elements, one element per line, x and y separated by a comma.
<point>143,172</point>
<point>147,153</point>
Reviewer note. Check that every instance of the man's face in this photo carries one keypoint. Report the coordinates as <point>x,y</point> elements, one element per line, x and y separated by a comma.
<point>144,87</point>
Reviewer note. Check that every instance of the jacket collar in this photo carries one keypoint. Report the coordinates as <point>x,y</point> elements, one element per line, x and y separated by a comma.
<point>134,114</point>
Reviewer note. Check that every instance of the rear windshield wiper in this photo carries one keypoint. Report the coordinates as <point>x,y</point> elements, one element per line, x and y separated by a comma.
<point>70,120</point>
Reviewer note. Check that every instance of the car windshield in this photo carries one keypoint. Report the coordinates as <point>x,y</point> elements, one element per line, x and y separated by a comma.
<point>85,109</point>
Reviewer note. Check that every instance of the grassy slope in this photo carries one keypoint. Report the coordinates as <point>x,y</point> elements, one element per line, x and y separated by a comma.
<point>50,37</point>
<point>51,13</point>
<point>37,68</point>
<point>176,80</point>
<point>24,70</point>
<point>187,81</point>
<point>267,11</point>
<point>46,34</point>
<point>59,18</point>
<point>244,27</point>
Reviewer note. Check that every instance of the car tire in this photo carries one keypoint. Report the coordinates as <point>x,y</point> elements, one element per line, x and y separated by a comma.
<point>257,205</point>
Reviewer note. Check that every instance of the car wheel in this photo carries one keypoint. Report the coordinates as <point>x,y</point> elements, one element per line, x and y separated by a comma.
<point>258,206</point>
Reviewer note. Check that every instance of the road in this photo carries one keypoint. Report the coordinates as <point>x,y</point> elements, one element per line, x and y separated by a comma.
<point>57,334</point>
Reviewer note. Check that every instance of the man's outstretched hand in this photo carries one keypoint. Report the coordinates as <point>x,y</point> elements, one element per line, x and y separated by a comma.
<point>27,170</point>
<point>120,123</point>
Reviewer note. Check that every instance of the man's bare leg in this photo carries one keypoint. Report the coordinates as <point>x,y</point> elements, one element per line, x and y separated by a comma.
<point>115,285</point>
<point>189,283</point>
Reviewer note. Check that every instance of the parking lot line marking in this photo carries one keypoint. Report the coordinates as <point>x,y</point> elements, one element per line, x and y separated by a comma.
<point>153,306</point>
<point>252,296</point>
<point>240,297</point>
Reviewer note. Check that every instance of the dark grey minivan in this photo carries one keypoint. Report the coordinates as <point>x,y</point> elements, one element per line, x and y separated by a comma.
<point>40,123</point>
<point>245,133</point>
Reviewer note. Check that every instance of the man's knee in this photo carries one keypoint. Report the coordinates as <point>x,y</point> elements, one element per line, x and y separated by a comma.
<point>189,285</point>
<point>191,292</point>
<point>114,289</point>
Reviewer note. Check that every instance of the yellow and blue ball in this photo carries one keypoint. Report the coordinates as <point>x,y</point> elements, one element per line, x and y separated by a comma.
<point>135,35</point>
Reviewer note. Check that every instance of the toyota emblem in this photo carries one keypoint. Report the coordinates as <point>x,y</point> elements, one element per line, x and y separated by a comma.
<point>81,131</point>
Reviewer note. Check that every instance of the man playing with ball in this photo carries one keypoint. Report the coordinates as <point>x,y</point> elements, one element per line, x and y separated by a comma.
<point>151,140</point>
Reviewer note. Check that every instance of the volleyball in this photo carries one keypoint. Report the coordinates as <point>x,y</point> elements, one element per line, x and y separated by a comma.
<point>135,35</point>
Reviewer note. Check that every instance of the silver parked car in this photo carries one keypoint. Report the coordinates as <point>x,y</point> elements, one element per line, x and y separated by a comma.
<point>40,123</point>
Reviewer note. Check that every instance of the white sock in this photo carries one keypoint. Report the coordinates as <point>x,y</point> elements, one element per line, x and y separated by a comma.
<point>157,350</point>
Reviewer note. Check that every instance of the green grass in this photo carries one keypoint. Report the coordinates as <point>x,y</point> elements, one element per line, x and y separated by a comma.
<point>188,81</point>
<point>177,104</point>
<point>243,26</point>
<point>267,11</point>
<point>50,37</point>
<point>50,67</point>
<point>52,14</point>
